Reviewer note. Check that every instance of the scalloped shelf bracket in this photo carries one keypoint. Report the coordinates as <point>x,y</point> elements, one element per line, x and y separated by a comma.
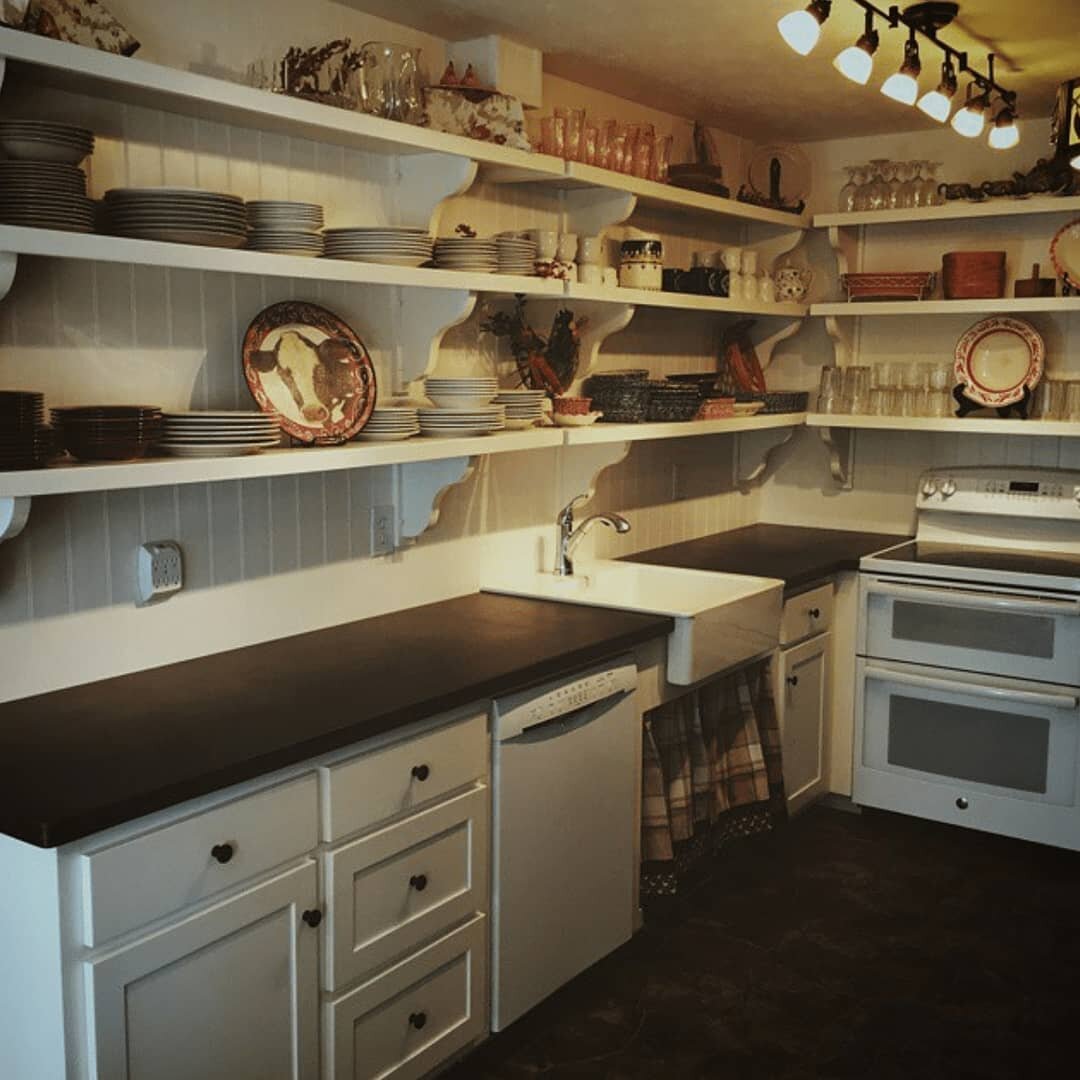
<point>590,211</point>
<point>840,444</point>
<point>420,488</point>
<point>14,513</point>
<point>767,444</point>
<point>9,263</point>
<point>426,182</point>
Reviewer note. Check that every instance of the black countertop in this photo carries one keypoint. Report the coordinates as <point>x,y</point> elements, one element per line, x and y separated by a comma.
<point>76,761</point>
<point>793,554</point>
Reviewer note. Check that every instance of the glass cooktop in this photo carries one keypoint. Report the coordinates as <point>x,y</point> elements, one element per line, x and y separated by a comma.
<point>994,560</point>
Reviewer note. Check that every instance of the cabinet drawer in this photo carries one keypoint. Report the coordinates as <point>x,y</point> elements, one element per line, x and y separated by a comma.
<point>414,1016</point>
<point>374,787</point>
<point>808,613</point>
<point>136,881</point>
<point>405,884</point>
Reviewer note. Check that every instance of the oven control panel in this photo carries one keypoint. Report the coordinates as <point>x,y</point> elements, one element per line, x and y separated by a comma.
<point>1048,493</point>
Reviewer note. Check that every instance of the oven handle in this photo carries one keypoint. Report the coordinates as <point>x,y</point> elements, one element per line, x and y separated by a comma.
<point>994,601</point>
<point>961,686</point>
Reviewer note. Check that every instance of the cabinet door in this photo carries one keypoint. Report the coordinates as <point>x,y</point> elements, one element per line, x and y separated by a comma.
<point>802,702</point>
<point>230,993</point>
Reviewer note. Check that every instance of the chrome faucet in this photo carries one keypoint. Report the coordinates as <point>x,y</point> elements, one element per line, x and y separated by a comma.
<point>568,538</point>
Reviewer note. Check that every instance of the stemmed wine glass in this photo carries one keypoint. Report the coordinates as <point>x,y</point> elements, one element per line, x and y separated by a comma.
<point>849,191</point>
<point>877,196</point>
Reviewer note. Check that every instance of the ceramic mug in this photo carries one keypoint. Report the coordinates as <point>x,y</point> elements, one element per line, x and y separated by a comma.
<point>749,263</point>
<point>766,287</point>
<point>567,249</point>
<point>641,275</point>
<point>547,244</point>
<point>707,259</point>
<point>732,259</point>
<point>611,277</point>
<point>590,274</point>
<point>591,249</point>
<point>736,286</point>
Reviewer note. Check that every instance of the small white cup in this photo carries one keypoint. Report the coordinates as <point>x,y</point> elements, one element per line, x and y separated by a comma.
<point>736,286</point>
<point>590,274</point>
<point>590,249</point>
<point>547,243</point>
<point>611,277</point>
<point>749,263</point>
<point>732,259</point>
<point>766,288</point>
<point>567,248</point>
<point>704,258</point>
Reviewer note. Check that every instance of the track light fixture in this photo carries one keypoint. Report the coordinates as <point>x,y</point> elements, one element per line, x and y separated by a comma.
<point>971,119</point>
<point>856,62</point>
<point>1004,135</point>
<point>903,85</point>
<point>802,29</point>
<point>937,104</point>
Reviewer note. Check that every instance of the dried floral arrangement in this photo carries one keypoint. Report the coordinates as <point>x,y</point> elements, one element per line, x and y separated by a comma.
<point>541,364</point>
<point>320,73</point>
<point>83,22</point>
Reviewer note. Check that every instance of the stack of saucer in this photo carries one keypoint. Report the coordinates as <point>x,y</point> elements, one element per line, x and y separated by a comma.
<point>524,408</point>
<point>45,194</point>
<point>462,422</point>
<point>107,432</point>
<point>516,254</point>
<point>467,254</point>
<point>285,228</point>
<point>461,393</point>
<point>39,140</point>
<point>25,442</point>
<point>221,433</point>
<point>176,216</point>
<point>390,423</point>
<point>392,247</point>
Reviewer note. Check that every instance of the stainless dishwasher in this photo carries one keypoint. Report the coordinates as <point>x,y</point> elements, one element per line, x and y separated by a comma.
<point>565,778</point>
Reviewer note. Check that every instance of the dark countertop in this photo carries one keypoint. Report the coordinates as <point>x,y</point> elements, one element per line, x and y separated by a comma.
<point>795,555</point>
<point>76,761</point>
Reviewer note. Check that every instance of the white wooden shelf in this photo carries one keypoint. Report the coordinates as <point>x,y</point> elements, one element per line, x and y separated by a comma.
<point>614,433</point>
<point>1004,306</point>
<point>137,82</point>
<point>956,210</point>
<point>681,301</point>
<point>970,425</point>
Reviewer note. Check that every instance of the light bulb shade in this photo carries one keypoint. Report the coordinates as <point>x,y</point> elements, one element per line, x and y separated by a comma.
<point>1075,163</point>
<point>1004,135</point>
<point>901,87</point>
<point>801,30</point>
<point>970,121</point>
<point>936,105</point>
<point>855,63</point>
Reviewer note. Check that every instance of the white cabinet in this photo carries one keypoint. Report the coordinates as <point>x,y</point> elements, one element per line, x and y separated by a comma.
<point>229,993</point>
<point>802,703</point>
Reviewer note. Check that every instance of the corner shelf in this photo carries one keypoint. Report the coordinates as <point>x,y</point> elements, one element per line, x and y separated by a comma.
<point>957,210</point>
<point>1004,306</point>
<point>614,433</point>
<point>950,424</point>
<point>682,301</point>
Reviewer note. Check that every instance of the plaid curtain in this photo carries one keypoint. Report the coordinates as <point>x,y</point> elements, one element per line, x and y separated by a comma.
<point>711,772</point>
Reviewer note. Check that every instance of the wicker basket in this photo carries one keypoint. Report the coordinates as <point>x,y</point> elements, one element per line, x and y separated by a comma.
<point>783,401</point>
<point>973,275</point>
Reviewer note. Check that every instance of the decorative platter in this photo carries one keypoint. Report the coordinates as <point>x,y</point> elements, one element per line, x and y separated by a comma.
<point>998,361</point>
<point>1065,253</point>
<point>308,368</point>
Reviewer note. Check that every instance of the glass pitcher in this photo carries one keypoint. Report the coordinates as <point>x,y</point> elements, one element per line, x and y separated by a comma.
<point>389,80</point>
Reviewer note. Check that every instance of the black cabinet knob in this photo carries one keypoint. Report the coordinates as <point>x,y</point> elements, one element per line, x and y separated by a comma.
<point>222,852</point>
<point>421,772</point>
<point>418,882</point>
<point>313,917</point>
<point>793,680</point>
<point>417,1020</point>
<point>814,613</point>
<point>962,803</point>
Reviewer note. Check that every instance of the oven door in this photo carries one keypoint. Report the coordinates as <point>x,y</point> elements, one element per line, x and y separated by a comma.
<point>991,753</point>
<point>972,628</point>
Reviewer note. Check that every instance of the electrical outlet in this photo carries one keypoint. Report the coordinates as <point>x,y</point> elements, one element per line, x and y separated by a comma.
<point>159,570</point>
<point>382,530</point>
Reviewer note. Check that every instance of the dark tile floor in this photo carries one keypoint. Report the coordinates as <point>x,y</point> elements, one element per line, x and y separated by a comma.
<point>842,946</point>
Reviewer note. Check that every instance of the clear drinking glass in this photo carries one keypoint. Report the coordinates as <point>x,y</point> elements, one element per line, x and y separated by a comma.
<point>1072,401</point>
<point>877,195</point>
<point>862,188</point>
<point>929,183</point>
<point>390,81</point>
<point>893,170</point>
<point>643,155</point>
<point>829,390</point>
<point>661,159</point>
<point>575,122</point>
<point>909,184</point>
<point>857,389</point>
<point>846,202</point>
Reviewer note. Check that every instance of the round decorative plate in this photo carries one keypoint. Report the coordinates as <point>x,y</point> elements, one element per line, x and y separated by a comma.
<point>308,368</point>
<point>1065,253</point>
<point>794,172</point>
<point>997,359</point>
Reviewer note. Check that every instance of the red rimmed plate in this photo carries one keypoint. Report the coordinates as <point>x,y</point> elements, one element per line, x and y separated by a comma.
<point>309,369</point>
<point>998,359</point>
<point>1065,253</point>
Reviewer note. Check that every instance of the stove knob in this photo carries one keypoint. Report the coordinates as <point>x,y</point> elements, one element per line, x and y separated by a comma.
<point>948,487</point>
<point>930,486</point>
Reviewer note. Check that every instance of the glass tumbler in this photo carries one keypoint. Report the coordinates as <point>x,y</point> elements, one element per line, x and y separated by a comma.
<point>1072,401</point>
<point>575,123</point>
<point>661,158</point>
<point>857,389</point>
<point>828,400</point>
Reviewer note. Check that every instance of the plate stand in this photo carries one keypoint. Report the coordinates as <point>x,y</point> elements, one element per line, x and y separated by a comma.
<point>965,405</point>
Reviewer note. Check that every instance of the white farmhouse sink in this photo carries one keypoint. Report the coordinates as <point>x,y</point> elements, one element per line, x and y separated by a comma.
<point>720,619</point>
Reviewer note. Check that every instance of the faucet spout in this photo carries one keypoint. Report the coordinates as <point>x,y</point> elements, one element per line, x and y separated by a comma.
<point>569,537</point>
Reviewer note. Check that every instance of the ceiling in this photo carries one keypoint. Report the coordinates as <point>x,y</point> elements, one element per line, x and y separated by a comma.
<point>722,61</point>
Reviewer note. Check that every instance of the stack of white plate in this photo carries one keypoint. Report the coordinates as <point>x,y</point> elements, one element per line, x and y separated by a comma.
<point>392,247</point>
<point>285,228</point>
<point>220,433</point>
<point>390,423</point>
<point>462,393</point>
<point>176,216</point>
<point>524,408</point>
<point>516,254</point>
<point>462,422</point>
<point>466,253</point>
<point>38,140</point>
<point>45,195</point>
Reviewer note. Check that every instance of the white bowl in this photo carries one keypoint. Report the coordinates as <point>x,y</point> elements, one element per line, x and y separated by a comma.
<point>460,402</point>
<point>577,419</point>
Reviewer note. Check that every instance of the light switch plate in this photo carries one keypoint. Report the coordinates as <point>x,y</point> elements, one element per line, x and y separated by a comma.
<point>159,570</point>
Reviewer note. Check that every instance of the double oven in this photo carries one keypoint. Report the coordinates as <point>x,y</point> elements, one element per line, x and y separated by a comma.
<point>968,696</point>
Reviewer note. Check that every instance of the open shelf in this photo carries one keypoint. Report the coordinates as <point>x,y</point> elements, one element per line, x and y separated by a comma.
<point>129,81</point>
<point>957,210</point>
<point>971,425</point>
<point>681,301</point>
<point>1004,306</point>
<point>614,433</point>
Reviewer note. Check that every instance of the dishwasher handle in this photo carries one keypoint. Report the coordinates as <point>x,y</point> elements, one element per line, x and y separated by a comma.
<point>566,723</point>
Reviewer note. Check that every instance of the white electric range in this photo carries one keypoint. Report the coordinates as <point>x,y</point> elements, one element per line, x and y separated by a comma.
<point>969,657</point>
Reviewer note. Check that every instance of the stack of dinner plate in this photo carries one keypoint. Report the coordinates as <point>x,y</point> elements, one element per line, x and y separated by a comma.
<point>219,433</point>
<point>524,408</point>
<point>393,247</point>
<point>389,423</point>
<point>461,393</point>
<point>176,215</point>
<point>466,253</point>
<point>462,422</point>
<point>107,432</point>
<point>285,228</point>
<point>516,254</point>
<point>40,140</point>
<point>25,442</point>
<point>45,195</point>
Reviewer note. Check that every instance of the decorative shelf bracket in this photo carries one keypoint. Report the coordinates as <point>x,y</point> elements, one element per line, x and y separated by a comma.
<point>766,338</point>
<point>420,488</point>
<point>840,443</point>
<point>426,182</point>
<point>778,438</point>
<point>9,263</point>
<point>589,211</point>
<point>14,512</point>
